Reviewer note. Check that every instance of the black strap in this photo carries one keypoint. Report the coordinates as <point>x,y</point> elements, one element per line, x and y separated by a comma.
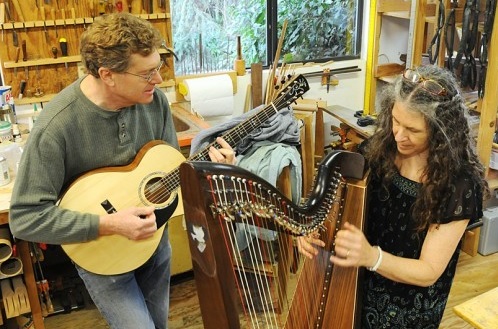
<point>449,37</point>
<point>469,72</point>
<point>466,26</point>
<point>436,40</point>
<point>486,36</point>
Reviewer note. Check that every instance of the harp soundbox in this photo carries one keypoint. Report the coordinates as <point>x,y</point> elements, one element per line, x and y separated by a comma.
<point>268,284</point>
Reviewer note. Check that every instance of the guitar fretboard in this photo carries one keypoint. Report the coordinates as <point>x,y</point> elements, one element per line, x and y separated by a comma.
<point>295,89</point>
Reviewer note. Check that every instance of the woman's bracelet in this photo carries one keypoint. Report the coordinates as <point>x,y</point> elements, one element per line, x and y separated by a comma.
<point>379,261</point>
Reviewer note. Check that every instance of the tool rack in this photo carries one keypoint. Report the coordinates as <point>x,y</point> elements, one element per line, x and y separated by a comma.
<point>32,29</point>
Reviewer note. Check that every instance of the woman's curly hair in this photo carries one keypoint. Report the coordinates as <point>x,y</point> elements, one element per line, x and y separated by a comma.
<point>452,152</point>
<point>111,39</point>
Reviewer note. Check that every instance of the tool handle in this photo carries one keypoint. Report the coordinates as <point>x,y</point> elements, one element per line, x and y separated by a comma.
<point>63,45</point>
<point>15,39</point>
<point>22,87</point>
<point>18,52</point>
<point>24,53</point>
<point>55,51</point>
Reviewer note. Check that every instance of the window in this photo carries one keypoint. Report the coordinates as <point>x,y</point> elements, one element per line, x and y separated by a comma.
<point>205,32</point>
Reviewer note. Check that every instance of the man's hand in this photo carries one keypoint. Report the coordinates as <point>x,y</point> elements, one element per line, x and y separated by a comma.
<point>136,223</point>
<point>223,155</point>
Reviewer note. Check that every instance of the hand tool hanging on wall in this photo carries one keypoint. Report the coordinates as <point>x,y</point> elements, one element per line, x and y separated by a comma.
<point>24,51</point>
<point>63,46</point>
<point>486,37</point>
<point>15,39</point>
<point>15,42</point>
<point>22,87</point>
<point>54,52</point>
<point>45,31</point>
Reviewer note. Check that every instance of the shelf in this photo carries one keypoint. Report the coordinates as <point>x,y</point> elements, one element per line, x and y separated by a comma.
<point>47,97</point>
<point>43,61</point>
<point>51,61</point>
<point>398,14</point>
<point>492,179</point>
<point>388,78</point>
<point>70,21</point>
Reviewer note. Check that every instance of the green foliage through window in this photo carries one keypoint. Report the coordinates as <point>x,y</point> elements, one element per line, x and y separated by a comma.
<point>205,32</point>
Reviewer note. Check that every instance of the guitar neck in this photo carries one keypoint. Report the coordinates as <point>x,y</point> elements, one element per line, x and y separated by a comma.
<point>288,94</point>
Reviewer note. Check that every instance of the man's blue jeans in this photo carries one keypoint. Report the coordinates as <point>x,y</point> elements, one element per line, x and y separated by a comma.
<point>137,299</point>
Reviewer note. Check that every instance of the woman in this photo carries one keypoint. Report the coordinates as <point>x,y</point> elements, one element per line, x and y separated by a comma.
<point>426,187</point>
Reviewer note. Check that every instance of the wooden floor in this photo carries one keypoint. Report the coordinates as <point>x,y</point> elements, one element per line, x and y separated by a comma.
<point>475,275</point>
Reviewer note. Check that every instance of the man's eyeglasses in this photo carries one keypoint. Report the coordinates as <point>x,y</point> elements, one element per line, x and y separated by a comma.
<point>149,76</point>
<point>429,85</point>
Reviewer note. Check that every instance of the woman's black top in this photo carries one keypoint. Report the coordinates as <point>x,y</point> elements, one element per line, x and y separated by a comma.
<point>389,304</point>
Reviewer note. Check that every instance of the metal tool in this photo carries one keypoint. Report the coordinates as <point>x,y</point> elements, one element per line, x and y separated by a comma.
<point>24,51</point>
<point>45,31</point>
<point>63,46</point>
<point>22,87</point>
<point>42,283</point>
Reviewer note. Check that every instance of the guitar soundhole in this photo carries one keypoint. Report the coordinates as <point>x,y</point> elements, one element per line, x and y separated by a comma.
<point>155,191</point>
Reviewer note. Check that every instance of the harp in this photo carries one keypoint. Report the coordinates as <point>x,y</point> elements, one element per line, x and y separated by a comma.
<point>268,284</point>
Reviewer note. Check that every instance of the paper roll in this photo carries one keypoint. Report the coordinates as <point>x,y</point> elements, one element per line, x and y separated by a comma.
<point>210,96</point>
<point>11,267</point>
<point>5,245</point>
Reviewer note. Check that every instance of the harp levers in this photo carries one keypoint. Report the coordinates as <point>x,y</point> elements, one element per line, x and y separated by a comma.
<point>241,234</point>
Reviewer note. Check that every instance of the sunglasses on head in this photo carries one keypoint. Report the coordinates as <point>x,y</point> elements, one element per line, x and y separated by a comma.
<point>432,86</point>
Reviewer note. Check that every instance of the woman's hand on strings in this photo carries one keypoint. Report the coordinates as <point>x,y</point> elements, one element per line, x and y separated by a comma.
<point>307,245</point>
<point>225,154</point>
<point>352,247</point>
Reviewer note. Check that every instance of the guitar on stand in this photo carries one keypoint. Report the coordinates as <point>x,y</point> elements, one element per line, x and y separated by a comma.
<point>151,179</point>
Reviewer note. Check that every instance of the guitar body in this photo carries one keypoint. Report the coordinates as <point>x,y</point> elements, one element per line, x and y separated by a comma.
<point>123,187</point>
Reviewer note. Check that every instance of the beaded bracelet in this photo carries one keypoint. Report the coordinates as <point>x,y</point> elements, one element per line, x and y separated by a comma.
<point>377,264</point>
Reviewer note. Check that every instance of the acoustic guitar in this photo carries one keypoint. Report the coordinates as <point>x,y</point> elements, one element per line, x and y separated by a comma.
<point>151,179</point>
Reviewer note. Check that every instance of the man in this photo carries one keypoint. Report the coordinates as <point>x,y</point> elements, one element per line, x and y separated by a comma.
<point>103,119</point>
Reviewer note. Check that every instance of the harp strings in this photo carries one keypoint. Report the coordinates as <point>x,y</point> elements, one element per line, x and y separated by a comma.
<point>264,303</point>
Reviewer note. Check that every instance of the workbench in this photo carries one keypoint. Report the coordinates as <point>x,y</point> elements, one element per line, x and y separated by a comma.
<point>481,311</point>
<point>346,116</point>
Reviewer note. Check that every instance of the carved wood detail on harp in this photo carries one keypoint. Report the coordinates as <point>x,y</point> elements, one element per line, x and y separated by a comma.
<point>249,289</point>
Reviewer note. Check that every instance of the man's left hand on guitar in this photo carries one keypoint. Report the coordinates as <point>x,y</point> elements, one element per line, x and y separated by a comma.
<point>225,154</point>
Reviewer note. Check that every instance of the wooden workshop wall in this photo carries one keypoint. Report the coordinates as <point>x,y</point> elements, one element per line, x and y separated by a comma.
<point>41,23</point>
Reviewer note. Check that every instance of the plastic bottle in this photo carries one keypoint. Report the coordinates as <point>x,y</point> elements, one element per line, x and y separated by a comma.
<point>16,134</point>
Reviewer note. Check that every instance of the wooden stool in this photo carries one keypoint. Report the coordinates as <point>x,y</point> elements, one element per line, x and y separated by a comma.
<point>480,311</point>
